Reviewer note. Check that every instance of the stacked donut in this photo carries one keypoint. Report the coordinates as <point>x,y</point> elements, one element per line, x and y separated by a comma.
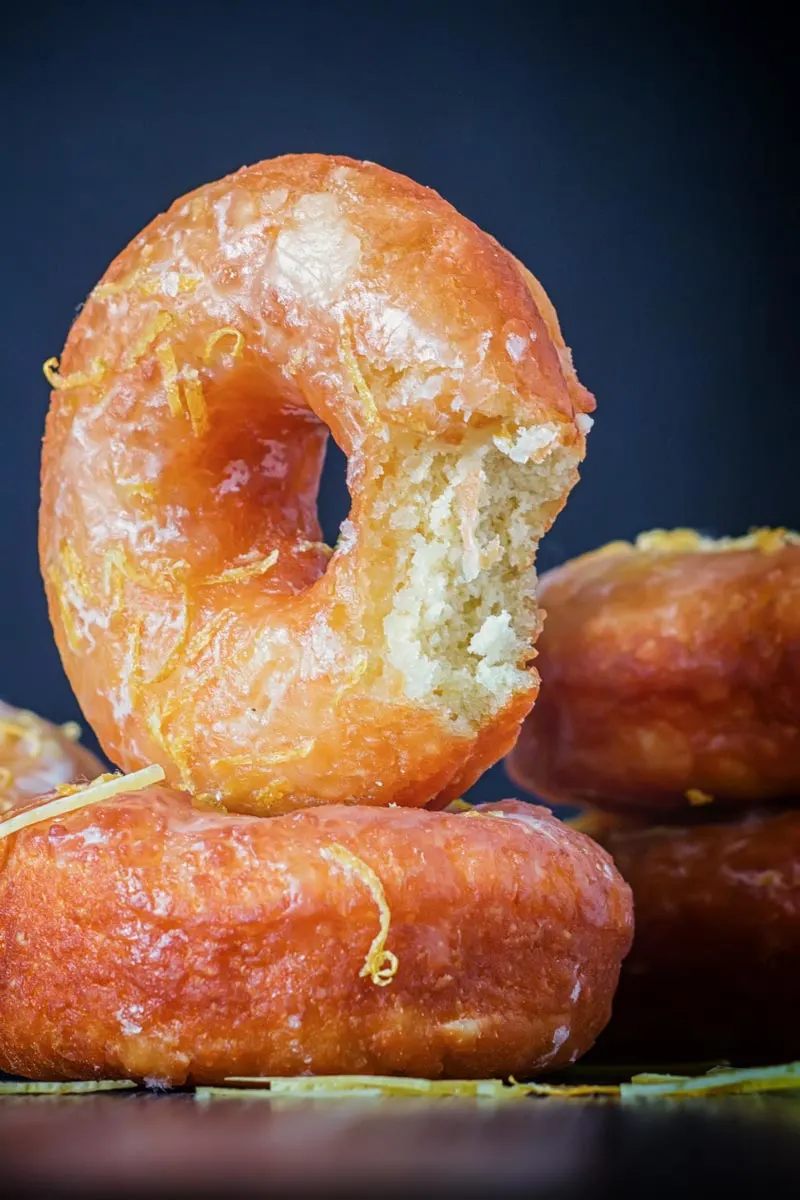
<point>286,902</point>
<point>670,712</point>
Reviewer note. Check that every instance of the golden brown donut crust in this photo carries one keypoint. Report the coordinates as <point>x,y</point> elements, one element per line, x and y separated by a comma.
<point>671,674</point>
<point>201,622</point>
<point>145,939</point>
<point>37,757</point>
<point>714,972</point>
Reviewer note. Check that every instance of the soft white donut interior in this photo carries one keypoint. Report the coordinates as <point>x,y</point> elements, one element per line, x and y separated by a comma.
<point>462,618</point>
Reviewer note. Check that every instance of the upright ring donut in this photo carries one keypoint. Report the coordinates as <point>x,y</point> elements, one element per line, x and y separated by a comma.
<point>144,938</point>
<point>37,757</point>
<point>201,623</point>
<point>671,675</point>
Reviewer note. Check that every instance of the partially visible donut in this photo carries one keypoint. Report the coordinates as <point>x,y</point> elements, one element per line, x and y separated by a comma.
<point>146,939</point>
<point>36,757</point>
<point>714,972</point>
<point>671,675</point>
<point>202,624</point>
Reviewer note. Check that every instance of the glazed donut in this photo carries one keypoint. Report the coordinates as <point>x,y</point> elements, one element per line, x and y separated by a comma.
<point>37,757</point>
<point>147,939</point>
<point>201,623</point>
<point>672,675</point>
<point>714,973</point>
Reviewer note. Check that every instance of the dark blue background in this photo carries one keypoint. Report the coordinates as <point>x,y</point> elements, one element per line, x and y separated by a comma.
<point>636,163</point>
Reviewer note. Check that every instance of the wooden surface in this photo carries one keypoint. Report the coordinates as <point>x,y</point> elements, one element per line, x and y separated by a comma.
<point>146,1145</point>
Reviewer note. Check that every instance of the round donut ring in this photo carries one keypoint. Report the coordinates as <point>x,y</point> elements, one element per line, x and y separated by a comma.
<point>671,675</point>
<point>714,973</point>
<point>37,757</point>
<point>201,623</point>
<point>321,942</point>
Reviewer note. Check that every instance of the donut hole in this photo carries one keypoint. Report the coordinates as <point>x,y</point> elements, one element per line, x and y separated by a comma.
<point>248,488</point>
<point>466,521</point>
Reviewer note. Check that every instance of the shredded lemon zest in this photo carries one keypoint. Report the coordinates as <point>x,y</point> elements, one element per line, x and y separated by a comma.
<point>171,661</point>
<point>206,635</point>
<point>65,611</point>
<point>71,789</point>
<point>304,546</point>
<point>289,754</point>
<point>71,731</point>
<point>104,290</point>
<point>195,401</point>
<point>160,322</point>
<point>26,728</point>
<point>74,569</point>
<point>301,750</point>
<point>217,337</point>
<point>297,357</point>
<point>250,571</point>
<point>147,491</point>
<point>154,285</point>
<point>357,379</point>
<point>381,964</point>
<point>377,1086</point>
<point>100,789</point>
<point>718,1081</point>
<point>63,383</point>
<point>207,800</point>
<point>355,675</point>
<point>30,1087</point>
<point>276,790</point>
<point>697,797</point>
<point>154,718</point>
<point>458,806</point>
<point>169,369</point>
<point>117,567</point>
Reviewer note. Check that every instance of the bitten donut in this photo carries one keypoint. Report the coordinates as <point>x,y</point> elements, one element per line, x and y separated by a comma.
<point>201,622</point>
<point>144,938</point>
<point>714,973</point>
<point>36,757</point>
<point>671,675</point>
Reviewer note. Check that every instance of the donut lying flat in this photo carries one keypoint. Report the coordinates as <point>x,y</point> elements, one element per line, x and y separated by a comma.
<point>202,624</point>
<point>672,675</point>
<point>146,939</point>
<point>36,757</point>
<point>714,972</point>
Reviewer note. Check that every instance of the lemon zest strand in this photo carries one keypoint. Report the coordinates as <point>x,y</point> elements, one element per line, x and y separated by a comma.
<point>63,383</point>
<point>304,546</point>
<point>696,797</point>
<point>274,791</point>
<point>100,789</point>
<point>74,570</point>
<point>249,571</point>
<point>160,322</point>
<point>77,1087</point>
<point>169,368</point>
<point>356,377</point>
<point>217,337</point>
<point>290,754</point>
<point>196,404</point>
<point>171,661</point>
<point>380,964</point>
